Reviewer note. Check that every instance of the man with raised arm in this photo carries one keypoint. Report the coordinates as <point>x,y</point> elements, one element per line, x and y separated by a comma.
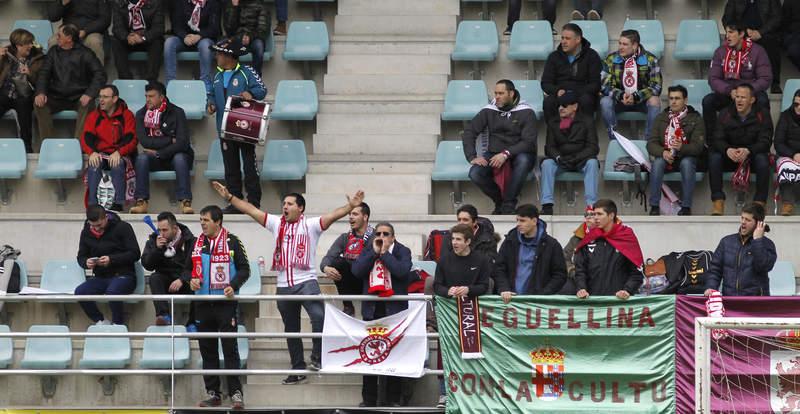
<point>296,237</point>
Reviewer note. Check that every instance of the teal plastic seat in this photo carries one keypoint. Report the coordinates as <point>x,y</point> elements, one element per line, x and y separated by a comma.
<point>49,352</point>
<point>429,266</point>
<point>62,276</point>
<point>531,92</point>
<point>781,279</point>
<point>613,153</point>
<point>42,30</point>
<point>307,41</point>
<point>698,89</point>
<point>244,349</point>
<point>189,95</point>
<point>6,348</point>
<point>631,116</point>
<point>697,40</point>
<point>596,32</point>
<point>789,89</point>
<point>530,40</point>
<point>13,160</point>
<point>651,33</point>
<point>132,92</point>
<point>157,353</point>
<point>137,56</point>
<point>296,100</point>
<point>65,115</point>
<point>106,353</point>
<point>215,169</point>
<point>253,284</point>
<point>464,99</point>
<point>450,163</point>
<point>476,40</point>
<point>59,158</point>
<point>23,273</point>
<point>284,159</point>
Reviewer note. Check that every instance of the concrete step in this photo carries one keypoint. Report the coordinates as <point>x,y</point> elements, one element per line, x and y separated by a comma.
<point>346,183</point>
<point>397,8</point>
<point>376,163</point>
<point>388,64</point>
<point>354,123</point>
<point>275,323</point>
<point>395,25</point>
<point>392,45</point>
<point>383,84</point>
<point>382,104</point>
<point>355,145</point>
<point>381,203</point>
<point>304,395</point>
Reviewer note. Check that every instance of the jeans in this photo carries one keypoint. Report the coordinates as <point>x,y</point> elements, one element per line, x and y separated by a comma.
<point>174,44</point>
<point>688,167</point>
<point>719,163</point>
<point>609,108</point>
<point>290,313</point>
<point>282,10</point>
<point>714,102</point>
<point>219,317</point>
<point>94,174</point>
<point>180,163</point>
<point>591,174</point>
<point>257,49</point>
<point>583,6</point>
<point>116,285</point>
<point>483,177</point>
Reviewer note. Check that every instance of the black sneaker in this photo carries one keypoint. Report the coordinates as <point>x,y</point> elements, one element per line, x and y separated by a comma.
<point>116,207</point>
<point>294,380</point>
<point>507,32</point>
<point>237,400</point>
<point>655,211</point>
<point>314,365</point>
<point>685,211</point>
<point>231,210</point>
<point>213,400</point>
<point>547,209</point>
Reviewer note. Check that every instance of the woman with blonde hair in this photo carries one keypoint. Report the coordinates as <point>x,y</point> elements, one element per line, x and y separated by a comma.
<point>19,64</point>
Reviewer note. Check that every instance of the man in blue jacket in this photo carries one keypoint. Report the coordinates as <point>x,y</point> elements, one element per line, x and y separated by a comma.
<point>235,79</point>
<point>217,266</point>
<point>742,261</point>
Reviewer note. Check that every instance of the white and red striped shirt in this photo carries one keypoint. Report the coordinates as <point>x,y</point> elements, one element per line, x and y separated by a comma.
<point>290,275</point>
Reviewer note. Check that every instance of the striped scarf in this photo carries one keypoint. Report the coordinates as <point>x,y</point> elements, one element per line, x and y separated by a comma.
<point>194,21</point>
<point>296,254</point>
<point>135,16</point>
<point>732,64</point>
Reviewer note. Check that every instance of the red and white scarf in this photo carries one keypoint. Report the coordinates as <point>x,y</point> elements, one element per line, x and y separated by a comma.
<point>135,17</point>
<point>355,244</point>
<point>380,280</point>
<point>630,75</point>
<point>732,64</point>
<point>220,263</point>
<point>674,132</point>
<point>740,180</point>
<point>194,21</point>
<point>296,254</point>
<point>716,309</point>
<point>152,119</point>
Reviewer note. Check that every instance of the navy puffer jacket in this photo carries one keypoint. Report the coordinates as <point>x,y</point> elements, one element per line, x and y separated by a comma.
<point>743,267</point>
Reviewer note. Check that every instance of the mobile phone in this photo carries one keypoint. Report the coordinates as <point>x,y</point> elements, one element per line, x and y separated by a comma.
<point>94,259</point>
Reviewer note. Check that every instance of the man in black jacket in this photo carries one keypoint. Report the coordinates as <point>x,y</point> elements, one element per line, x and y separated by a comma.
<point>165,254</point>
<point>109,249</point>
<point>787,144</point>
<point>573,66</point>
<point>791,31</point>
<point>249,20</point>
<point>164,136</point>
<point>138,27</point>
<point>531,262</point>
<point>91,17</point>
<point>741,141</point>
<point>511,127</point>
<point>571,146</point>
<point>70,79</point>
<point>466,272</point>
<point>762,18</point>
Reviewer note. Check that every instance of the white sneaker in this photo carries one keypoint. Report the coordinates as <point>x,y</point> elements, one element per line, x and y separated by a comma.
<point>442,401</point>
<point>103,322</point>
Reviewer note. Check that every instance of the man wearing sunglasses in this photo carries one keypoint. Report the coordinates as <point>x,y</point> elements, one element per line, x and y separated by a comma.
<point>787,144</point>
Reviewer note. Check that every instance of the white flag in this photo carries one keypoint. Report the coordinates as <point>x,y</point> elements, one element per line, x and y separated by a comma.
<point>396,345</point>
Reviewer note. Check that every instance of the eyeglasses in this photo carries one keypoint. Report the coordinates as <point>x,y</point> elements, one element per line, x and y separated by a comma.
<point>383,233</point>
<point>588,214</point>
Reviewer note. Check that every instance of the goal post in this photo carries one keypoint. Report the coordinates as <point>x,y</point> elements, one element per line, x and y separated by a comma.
<point>750,348</point>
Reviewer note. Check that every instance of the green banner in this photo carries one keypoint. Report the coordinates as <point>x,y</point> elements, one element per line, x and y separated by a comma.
<point>560,354</point>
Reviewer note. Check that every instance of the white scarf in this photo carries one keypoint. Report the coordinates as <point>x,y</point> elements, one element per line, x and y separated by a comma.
<point>630,75</point>
<point>674,133</point>
<point>220,263</point>
<point>296,254</point>
<point>380,280</point>
<point>135,16</point>
<point>170,252</point>
<point>194,21</point>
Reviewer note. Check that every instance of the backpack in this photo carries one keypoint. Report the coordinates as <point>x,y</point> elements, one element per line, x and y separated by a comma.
<point>629,165</point>
<point>655,278</point>
<point>687,271</point>
<point>433,247</point>
<point>9,270</point>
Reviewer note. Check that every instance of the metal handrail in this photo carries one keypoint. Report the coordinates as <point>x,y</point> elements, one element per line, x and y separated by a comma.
<point>198,298</point>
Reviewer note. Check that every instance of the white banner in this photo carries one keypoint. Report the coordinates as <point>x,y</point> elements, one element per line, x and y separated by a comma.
<point>396,345</point>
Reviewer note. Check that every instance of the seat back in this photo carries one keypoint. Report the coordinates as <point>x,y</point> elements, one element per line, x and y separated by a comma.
<point>476,40</point>
<point>42,30</point>
<point>307,41</point>
<point>696,40</point>
<point>531,92</point>
<point>296,100</point>
<point>215,170</point>
<point>49,352</point>
<point>782,281</point>
<point>13,160</point>
<point>132,92</point>
<point>429,266</point>
<point>789,89</point>
<point>596,32</point>
<point>614,152</point>
<point>530,40</point>
<point>139,290</point>
<point>651,33</point>
<point>253,284</point>
<point>6,348</point>
<point>190,95</point>
<point>464,99</point>
<point>284,159</point>
<point>158,353</point>
<point>450,163</point>
<point>697,88</point>
<point>62,276</point>
<point>23,273</point>
<point>106,352</point>
<point>59,158</point>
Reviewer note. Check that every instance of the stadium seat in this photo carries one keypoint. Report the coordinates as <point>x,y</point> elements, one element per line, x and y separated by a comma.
<point>189,95</point>
<point>697,40</point>
<point>698,89</point>
<point>215,169</point>
<point>450,163</point>
<point>244,349</point>
<point>253,284</point>
<point>59,159</point>
<point>530,40</point>
<point>137,57</point>
<point>613,153</point>
<point>42,30</point>
<point>429,266</point>
<point>62,276</point>
<point>782,281</point>
<point>284,160</point>
<point>6,349</point>
<point>307,41</point>
<point>531,92</point>
<point>13,163</point>
<point>476,40</point>
<point>65,115</point>
<point>596,32</point>
<point>295,100</point>
<point>132,92</point>
<point>464,99</point>
<point>651,33</point>
<point>23,273</point>
<point>108,352</point>
<point>47,352</point>
<point>157,353</point>
<point>789,88</point>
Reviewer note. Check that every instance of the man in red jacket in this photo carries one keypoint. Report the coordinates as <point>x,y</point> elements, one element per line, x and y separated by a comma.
<point>108,138</point>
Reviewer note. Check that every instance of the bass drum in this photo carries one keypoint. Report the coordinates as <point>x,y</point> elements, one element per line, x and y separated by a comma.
<point>245,120</point>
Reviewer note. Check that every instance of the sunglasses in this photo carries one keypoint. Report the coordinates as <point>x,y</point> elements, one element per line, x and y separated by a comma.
<point>383,233</point>
<point>587,215</point>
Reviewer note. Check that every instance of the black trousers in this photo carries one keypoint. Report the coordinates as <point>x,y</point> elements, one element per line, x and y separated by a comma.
<point>218,317</point>
<point>772,45</point>
<point>155,54</point>
<point>394,385</point>
<point>348,284</point>
<point>24,108</point>
<point>159,285</point>
<point>515,7</point>
<point>233,168</point>
<point>587,104</point>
